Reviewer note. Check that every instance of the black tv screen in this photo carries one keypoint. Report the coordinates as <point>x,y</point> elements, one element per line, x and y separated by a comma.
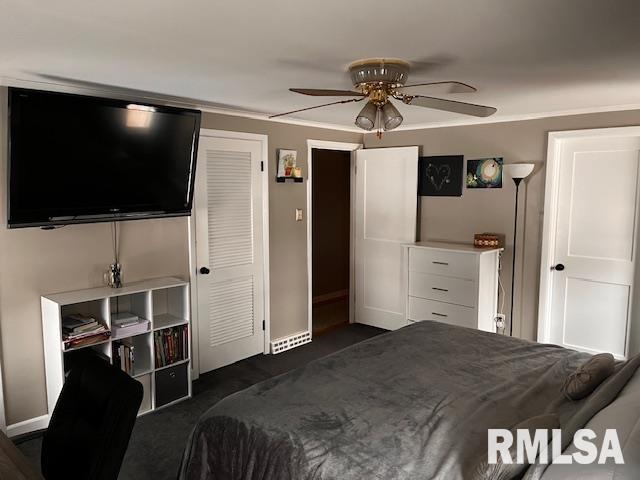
<point>77,159</point>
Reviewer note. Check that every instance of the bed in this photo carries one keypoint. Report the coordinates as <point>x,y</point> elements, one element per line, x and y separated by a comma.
<point>411,404</point>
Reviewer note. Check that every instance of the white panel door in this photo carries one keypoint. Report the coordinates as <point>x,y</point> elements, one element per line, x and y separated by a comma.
<point>386,206</point>
<point>595,242</point>
<point>229,252</point>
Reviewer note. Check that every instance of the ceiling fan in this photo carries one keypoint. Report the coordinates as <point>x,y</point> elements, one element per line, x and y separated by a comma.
<point>378,80</point>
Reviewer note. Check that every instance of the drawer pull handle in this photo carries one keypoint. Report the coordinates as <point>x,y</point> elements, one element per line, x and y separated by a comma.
<point>439,314</point>
<point>172,374</point>
<point>439,289</point>
<point>440,263</point>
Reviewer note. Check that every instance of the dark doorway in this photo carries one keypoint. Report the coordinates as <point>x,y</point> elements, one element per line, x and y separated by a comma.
<point>331,237</point>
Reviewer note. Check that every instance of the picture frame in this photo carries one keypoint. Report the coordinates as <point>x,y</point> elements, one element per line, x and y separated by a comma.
<point>440,176</point>
<point>484,173</point>
<point>287,163</point>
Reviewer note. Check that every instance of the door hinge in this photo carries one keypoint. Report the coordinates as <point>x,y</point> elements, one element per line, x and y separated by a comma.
<point>263,325</point>
<point>262,166</point>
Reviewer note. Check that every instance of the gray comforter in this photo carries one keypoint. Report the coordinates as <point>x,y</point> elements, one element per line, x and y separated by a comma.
<point>411,404</point>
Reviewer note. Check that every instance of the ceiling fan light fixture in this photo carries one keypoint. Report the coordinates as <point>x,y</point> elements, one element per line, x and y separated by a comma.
<point>366,119</point>
<point>390,71</point>
<point>377,81</point>
<point>391,117</point>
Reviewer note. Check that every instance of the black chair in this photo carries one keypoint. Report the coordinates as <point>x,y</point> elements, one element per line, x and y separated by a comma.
<point>92,422</point>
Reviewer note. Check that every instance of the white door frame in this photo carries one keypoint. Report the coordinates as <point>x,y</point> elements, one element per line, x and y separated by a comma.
<point>193,267</point>
<point>555,141</point>
<point>327,145</point>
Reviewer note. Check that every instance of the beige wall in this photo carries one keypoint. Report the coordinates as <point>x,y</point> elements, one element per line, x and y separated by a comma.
<point>34,262</point>
<point>457,219</point>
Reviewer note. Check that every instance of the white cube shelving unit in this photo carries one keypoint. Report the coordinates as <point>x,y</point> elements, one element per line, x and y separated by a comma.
<point>163,301</point>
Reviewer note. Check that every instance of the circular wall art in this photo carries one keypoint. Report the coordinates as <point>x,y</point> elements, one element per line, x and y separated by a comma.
<point>484,173</point>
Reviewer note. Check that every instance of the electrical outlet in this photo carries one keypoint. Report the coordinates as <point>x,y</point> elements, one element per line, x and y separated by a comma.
<point>298,214</point>
<point>501,321</point>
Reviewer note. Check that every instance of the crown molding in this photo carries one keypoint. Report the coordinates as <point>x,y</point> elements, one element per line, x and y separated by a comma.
<point>125,93</point>
<point>518,117</point>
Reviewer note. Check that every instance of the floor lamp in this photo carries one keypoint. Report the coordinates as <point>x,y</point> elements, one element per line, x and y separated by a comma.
<point>518,172</point>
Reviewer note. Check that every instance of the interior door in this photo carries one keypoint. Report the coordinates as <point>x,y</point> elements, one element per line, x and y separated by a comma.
<point>385,218</point>
<point>229,251</point>
<point>595,244</point>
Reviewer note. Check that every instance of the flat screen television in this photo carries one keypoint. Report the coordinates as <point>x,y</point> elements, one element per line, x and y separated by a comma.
<point>78,159</point>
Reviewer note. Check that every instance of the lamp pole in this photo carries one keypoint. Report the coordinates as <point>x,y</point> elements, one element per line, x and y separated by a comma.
<point>513,259</point>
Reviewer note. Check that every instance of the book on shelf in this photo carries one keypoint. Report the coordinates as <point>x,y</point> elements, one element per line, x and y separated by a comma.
<point>79,330</point>
<point>88,339</point>
<point>99,328</point>
<point>82,329</point>
<point>124,319</point>
<point>77,323</point>
<point>130,329</point>
<point>124,356</point>
<point>171,345</point>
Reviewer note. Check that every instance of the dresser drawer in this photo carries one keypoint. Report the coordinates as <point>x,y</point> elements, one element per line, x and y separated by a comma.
<point>442,262</point>
<point>444,289</point>
<point>422,309</point>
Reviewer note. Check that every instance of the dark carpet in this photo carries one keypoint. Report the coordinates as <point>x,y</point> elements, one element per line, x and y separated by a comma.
<point>159,438</point>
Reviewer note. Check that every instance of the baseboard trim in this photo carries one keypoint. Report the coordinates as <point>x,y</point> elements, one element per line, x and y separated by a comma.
<point>330,296</point>
<point>28,426</point>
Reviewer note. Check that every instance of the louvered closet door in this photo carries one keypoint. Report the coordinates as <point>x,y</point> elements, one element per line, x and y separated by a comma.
<point>229,244</point>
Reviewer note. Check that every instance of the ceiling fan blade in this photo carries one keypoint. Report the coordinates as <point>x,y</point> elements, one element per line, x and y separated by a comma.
<point>452,106</point>
<point>318,92</point>
<point>317,106</point>
<point>437,87</point>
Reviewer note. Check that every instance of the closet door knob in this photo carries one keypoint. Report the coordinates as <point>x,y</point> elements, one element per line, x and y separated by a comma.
<point>204,271</point>
<point>559,267</point>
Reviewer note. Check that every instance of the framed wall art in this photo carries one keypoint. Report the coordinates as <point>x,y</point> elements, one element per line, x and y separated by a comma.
<point>484,173</point>
<point>287,168</point>
<point>440,176</point>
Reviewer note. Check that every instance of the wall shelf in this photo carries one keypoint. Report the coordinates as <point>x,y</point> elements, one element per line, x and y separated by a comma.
<point>164,301</point>
<point>294,179</point>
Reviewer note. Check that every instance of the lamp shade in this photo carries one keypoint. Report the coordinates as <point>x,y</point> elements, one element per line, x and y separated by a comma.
<point>391,117</point>
<point>519,170</point>
<point>366,119</point>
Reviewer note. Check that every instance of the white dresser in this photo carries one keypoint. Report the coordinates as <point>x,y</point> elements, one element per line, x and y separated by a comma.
<point>452,283</point>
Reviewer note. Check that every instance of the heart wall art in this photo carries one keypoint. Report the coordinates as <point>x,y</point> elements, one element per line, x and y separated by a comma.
<point>440,176</point>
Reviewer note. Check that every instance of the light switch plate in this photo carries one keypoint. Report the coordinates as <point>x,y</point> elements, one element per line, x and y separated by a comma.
<point>298,214</point>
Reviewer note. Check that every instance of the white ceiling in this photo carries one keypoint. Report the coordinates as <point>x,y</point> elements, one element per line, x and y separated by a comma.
<point>526,57</point>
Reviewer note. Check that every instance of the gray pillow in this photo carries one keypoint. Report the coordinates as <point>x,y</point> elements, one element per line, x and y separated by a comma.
<point>504,471</point>
<point>588,376</point>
